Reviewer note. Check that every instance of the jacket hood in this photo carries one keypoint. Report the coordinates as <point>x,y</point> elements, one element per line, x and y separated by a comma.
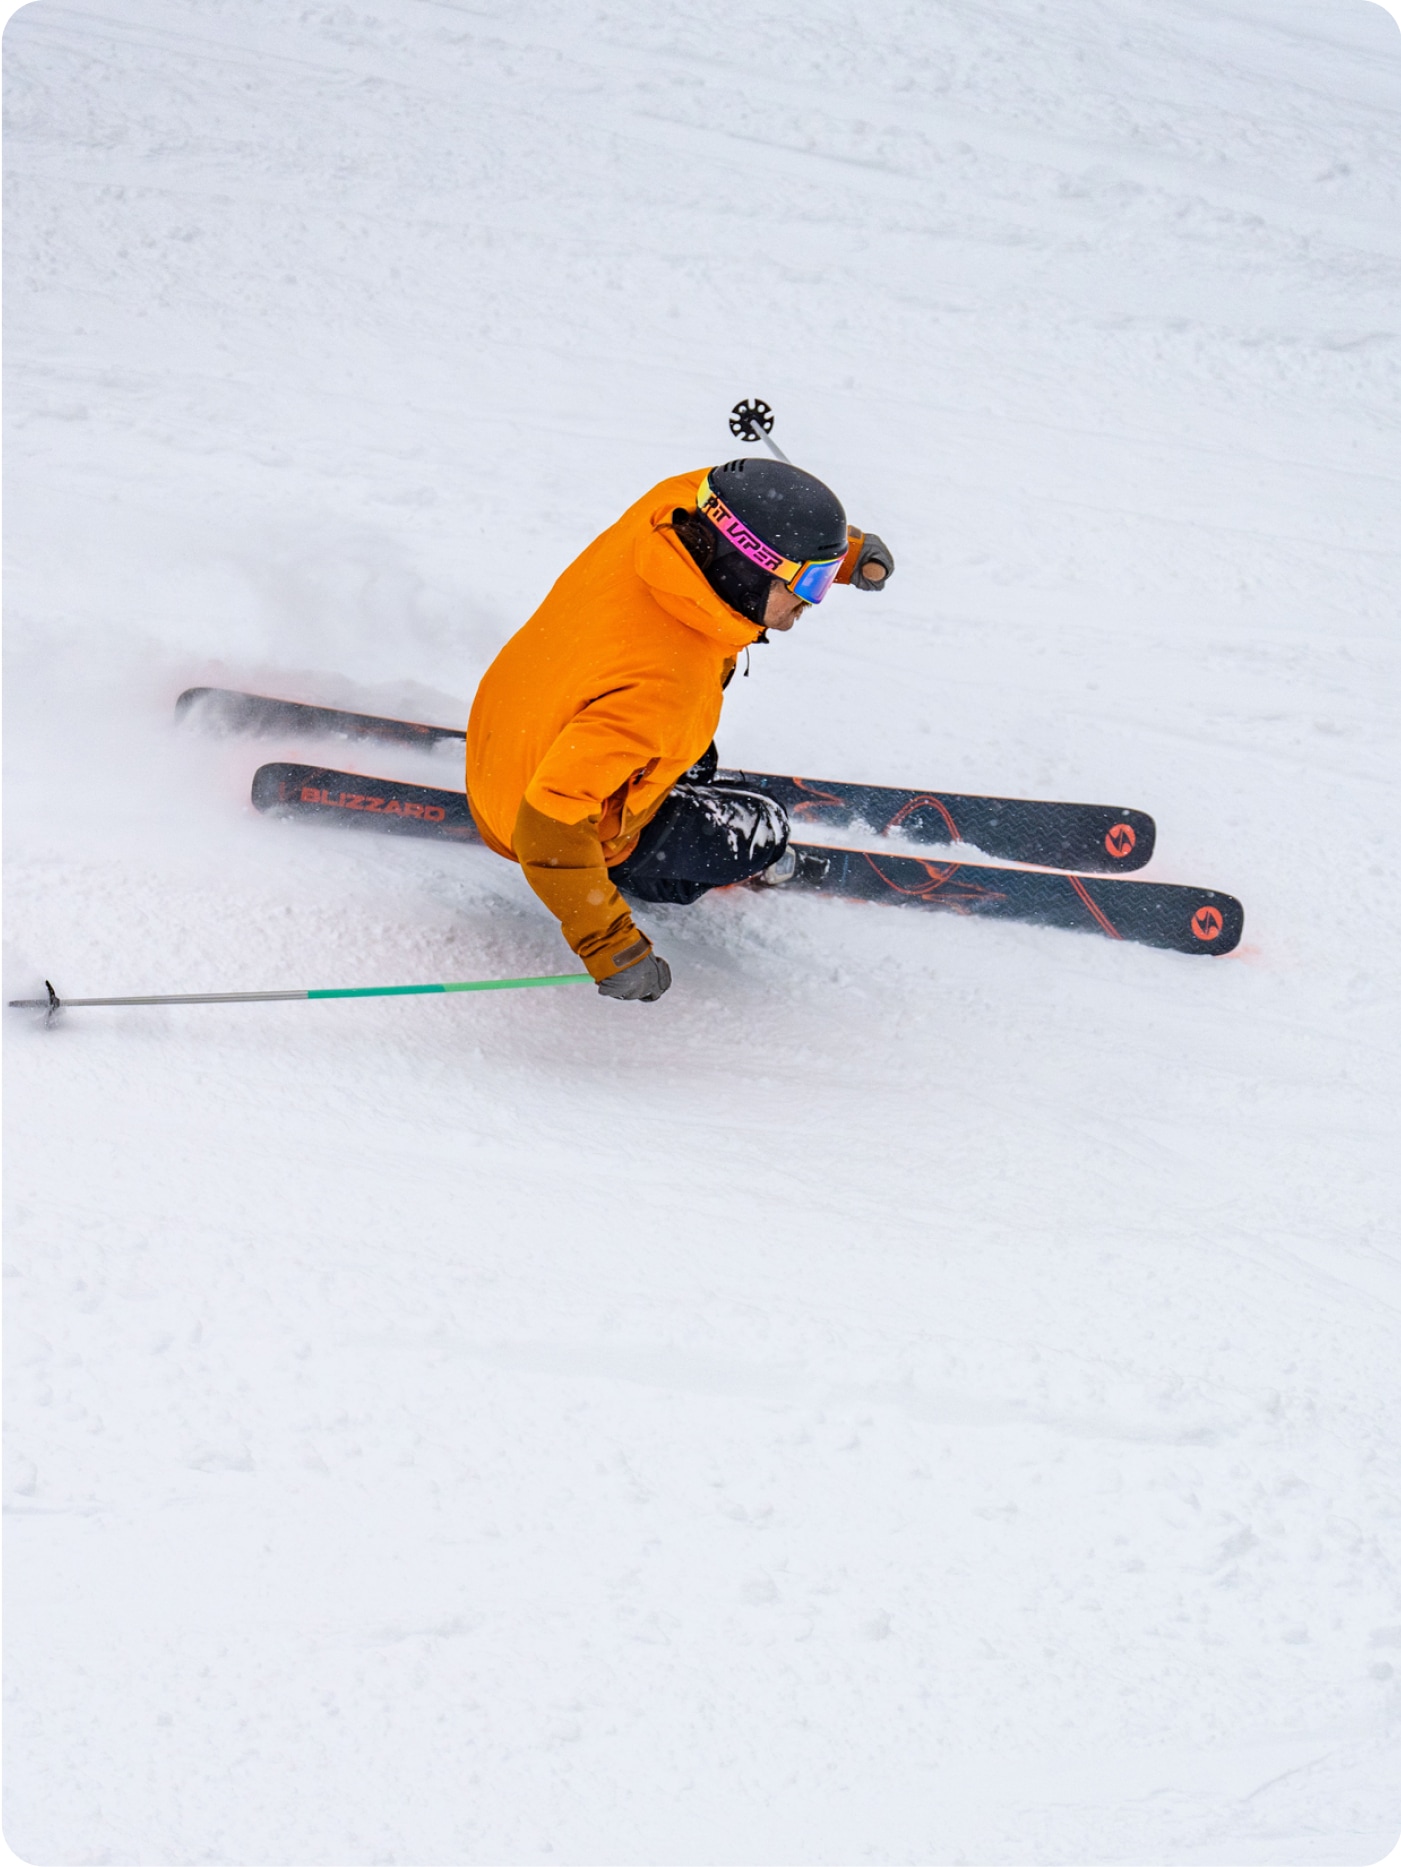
<point>676,580</point>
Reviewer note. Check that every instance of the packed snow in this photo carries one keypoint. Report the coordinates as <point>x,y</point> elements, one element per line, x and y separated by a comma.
<point>926,1390</point>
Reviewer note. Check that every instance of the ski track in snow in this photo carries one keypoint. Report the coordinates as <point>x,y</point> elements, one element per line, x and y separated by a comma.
<point>926,1390</point>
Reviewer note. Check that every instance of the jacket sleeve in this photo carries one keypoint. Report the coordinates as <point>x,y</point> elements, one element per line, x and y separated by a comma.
<point>563,862</point>
<point>854,542</point>
<point>604,748</point>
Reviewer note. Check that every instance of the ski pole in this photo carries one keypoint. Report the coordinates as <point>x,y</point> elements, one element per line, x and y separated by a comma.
<point>751,421</point>
<point>53,1004</point>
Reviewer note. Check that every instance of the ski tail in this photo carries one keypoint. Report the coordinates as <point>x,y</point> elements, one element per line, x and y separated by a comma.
<point>313,791</point>
<point>225,710</point>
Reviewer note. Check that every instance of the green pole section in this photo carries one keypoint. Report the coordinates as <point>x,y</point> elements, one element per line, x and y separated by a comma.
<point>54,1003</point>
<point>461,985</point>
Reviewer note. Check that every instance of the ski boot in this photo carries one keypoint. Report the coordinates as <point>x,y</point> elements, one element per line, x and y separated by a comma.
<point>796,864</point>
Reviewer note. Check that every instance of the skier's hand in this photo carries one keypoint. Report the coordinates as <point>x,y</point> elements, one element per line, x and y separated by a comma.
<point>646,979</point>
<point>873,564</point>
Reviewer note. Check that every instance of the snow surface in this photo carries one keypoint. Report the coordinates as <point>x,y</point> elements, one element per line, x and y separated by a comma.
<point>926,1390</point>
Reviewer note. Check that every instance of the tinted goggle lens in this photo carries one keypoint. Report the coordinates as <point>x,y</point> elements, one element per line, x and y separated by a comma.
<point>814,580</point>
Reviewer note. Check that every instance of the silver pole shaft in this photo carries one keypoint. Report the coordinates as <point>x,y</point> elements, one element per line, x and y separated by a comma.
<point>160,998</point>
<point>774,447</point>
<point>53,1003</point>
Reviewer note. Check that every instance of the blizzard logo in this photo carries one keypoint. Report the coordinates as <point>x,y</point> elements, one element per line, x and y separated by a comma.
<point>1119,841</point>
<point>1207,923</point>
<point>385,806</point>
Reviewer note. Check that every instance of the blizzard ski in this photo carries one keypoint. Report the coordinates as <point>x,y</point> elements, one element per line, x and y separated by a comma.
<point>1160,914</point>
<point>314,792</point>
<point>1094,837</point>
<point>226,710</point>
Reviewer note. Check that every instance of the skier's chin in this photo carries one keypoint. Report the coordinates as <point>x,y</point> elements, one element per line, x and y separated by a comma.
<point>782,610</point>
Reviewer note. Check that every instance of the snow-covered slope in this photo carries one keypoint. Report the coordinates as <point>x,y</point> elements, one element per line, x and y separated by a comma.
<point>925,1390</point>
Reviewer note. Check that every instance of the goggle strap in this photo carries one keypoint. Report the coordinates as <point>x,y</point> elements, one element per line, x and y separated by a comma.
<point>787,570</point>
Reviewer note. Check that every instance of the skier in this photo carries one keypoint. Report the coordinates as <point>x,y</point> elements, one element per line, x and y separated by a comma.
<point>591,739</point>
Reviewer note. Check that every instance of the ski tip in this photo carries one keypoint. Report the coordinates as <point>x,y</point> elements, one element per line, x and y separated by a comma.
<point>1217,922</point>
<point>1129,840</point>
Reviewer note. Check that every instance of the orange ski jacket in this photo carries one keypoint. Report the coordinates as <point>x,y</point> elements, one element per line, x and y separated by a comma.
<point>594,709</point>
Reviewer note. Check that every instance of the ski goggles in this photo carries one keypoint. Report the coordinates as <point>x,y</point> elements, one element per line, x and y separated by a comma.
<point>810,580</point>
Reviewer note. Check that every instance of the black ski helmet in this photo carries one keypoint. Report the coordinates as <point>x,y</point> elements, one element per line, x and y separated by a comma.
<point>791,511</point>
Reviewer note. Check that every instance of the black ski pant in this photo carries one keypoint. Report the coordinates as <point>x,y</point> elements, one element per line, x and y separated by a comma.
<point>703,838</point>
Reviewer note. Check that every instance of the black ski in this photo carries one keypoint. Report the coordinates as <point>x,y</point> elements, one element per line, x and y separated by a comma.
<point>1161,914</point>
<point>379,803</point>
<point>1092,837</point>
<point>224,709</point>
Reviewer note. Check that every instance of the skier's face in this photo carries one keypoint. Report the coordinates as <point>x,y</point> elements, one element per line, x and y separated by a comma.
<point>783,608</point>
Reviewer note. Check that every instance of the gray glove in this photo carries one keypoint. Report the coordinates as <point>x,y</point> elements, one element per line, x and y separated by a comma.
<point>647,978</point>
<point>875,552</point>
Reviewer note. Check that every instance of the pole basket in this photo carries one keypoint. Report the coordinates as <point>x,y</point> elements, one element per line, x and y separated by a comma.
<point>750,420</point>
